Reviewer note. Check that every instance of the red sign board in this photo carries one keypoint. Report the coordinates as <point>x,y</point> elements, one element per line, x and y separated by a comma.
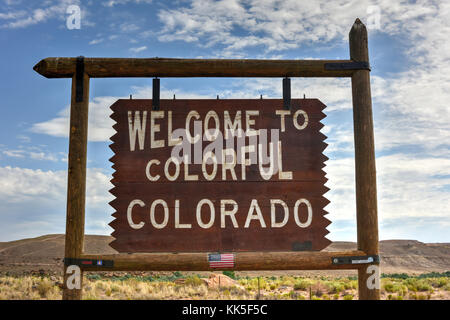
<point>219,176</point>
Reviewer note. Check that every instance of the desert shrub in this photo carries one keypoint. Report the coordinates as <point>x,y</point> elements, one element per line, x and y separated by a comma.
<point>94,277</point>
<point>293,295</point>
<point>402,276</point>
<point>405,276</point>
<point>395,287</point>
<point>435,275</point>
<point>347,284</point>
<point>230,273</point>
<point>318,289</point>
<point>353,284</point>
<point>44,287</point>
<point>194,281</point>
<point>335,287</point>
<point>414,284</point>
<point>388,287</point>
<point>439,282</point>
<point>348,297</point>
<point>115,288</point>
<point>336,296</point>
<point>253,283</point>
<point>302,284</point>
<point>423,285</point>
<point>287,281</point>
<point>393,297</point>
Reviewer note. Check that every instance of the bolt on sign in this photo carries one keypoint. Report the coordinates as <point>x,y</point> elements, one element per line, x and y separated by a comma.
<point>219,176</point>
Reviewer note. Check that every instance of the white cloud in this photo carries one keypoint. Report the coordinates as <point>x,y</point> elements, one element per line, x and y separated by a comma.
<point>14,153</point>
<point>275,25</point>
<point>100,125</point>
<point>18,185</point>
<point>280,25</point>
<point>22,184</point>
<point>43,156</point>
<point>408,186</point>
<point>50,9</point>
<point>24,138</point>
<point>12,15</point>
<point>138,49</point>
<point>128,27</point>
<point>112,3</point>
<point>96,41</point>
<point>33,153</point>
<point>33,202</point>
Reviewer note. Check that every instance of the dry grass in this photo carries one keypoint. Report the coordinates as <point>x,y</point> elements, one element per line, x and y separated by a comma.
<point>194,288</point>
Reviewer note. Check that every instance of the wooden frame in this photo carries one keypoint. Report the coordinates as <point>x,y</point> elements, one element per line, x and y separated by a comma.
<point>366,197</point>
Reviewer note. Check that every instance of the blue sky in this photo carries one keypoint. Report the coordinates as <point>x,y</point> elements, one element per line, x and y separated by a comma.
<point>409,51</point>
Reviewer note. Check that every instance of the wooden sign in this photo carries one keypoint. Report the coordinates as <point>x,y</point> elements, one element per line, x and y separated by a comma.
<point>252,205</point>
<point>218,176</point>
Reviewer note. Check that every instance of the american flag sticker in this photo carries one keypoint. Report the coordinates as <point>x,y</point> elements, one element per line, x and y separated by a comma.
<point>225,260</point>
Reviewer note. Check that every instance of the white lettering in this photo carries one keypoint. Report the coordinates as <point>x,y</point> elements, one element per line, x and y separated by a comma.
<point>130,212</point>
<point>258,216</point>
<point>224,212</point>
<point>155,128</point>
<point>199,214</point>
<point>148,168</point>
<point>273,213</point>
<point>310,213</point>
<point>305,122</point>
<point>166,214</point>
<point>137,127</point>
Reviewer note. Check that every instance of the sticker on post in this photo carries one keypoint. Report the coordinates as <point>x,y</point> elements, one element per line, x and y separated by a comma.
<point>220,261</point>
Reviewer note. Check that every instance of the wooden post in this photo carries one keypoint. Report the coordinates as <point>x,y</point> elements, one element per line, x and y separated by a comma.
<point>166,67</point>
<point>366,190</point>
<point>244,261</point>
<point>366,195</point>
<point>76,186</point>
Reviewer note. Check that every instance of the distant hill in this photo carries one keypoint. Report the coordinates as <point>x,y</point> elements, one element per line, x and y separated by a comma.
<point>46,253</point>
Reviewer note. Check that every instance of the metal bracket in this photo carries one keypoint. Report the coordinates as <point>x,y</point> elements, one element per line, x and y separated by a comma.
<point>302,246</point>
<point>156,94</point>
<point>79,80</point>
<point>287,93</point>
<point>88,262</point>
<point>356,260</point>
<point>354,65</point>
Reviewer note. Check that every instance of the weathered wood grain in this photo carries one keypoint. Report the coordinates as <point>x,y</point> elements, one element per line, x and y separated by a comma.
<point>252,261</point>
<point>168,67</point>
<point>302,155</point>
<point>366,187</point>
<point>76,188</point>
